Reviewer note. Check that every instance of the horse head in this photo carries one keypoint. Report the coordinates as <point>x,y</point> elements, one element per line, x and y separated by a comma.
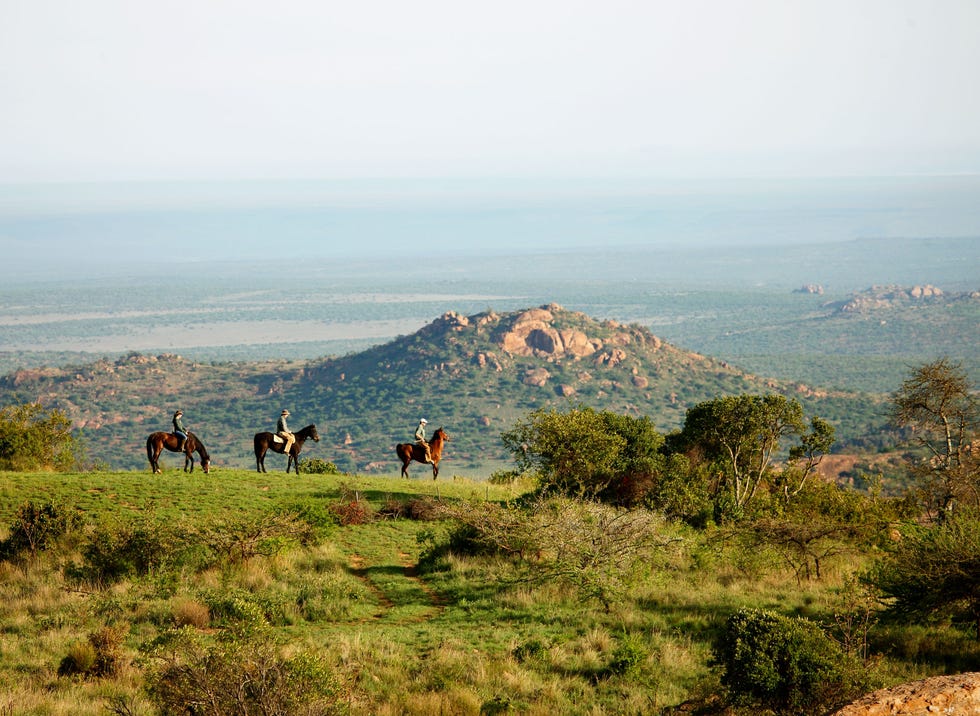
<point>314,434</point>
<point>441,434</point>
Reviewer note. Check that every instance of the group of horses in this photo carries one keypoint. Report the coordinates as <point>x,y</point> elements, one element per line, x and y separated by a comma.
<point>157,442</point>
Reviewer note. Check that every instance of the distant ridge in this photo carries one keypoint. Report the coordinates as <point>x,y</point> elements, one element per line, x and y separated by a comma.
<point>474,375</point>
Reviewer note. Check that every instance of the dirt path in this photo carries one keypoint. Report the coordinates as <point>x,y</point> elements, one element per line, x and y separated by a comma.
<point>402,597</point>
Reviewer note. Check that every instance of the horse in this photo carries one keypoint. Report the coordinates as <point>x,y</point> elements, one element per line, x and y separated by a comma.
<point>271,441</point>
<point>156,442</point>
<point>411,451</point>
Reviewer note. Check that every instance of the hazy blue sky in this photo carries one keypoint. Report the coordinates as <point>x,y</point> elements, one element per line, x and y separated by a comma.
<point>215,89</point>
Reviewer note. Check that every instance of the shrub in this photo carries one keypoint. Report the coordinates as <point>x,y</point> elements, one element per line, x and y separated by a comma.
<point>351,512</point>
<point>98,656</point>
<point>419,508</point>
<point>137,548</point>
<point>312,514</point>
<point>628,656</point>
<point>38,527</point>
<point>243,537</point>
<point>318,466</point>
<point>785,664</point>
<point>239,674</point>
<point>80,659</point>
<point>933,572</point>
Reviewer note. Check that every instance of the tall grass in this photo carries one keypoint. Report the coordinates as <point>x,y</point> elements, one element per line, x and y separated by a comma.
<point>468,636</point>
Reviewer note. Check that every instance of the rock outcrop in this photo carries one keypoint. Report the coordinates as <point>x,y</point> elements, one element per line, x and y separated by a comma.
<point>959,694</point>
<point>532,333</point>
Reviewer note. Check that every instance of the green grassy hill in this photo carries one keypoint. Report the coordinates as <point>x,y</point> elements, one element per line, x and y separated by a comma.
<point>158,566</point>
<point>473,375</point>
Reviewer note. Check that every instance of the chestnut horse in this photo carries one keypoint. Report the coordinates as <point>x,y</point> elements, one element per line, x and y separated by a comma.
<point>156,442</point>
<point>270,441</point>
<point>410,451</point>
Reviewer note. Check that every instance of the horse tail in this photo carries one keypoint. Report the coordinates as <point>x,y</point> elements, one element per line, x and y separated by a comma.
<point>149,448</point>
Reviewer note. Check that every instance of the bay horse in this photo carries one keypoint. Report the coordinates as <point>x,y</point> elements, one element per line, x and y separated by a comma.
<point>156,442</point>
<point>270,441</point>
<point>410,451</point>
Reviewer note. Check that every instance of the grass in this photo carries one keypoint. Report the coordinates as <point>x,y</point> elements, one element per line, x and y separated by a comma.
<point>460,638</point>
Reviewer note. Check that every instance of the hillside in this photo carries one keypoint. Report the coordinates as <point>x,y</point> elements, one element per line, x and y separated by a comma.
<point>473,375</point>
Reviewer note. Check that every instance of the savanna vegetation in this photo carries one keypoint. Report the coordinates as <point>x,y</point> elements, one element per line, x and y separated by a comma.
<point>615,569</point>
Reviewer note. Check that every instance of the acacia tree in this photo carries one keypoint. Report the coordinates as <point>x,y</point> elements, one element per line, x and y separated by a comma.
<point>744,433</point>
<point>937,405</point>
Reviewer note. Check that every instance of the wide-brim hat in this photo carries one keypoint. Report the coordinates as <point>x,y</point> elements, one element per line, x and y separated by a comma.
<point>285,412</point>
<point>423,420</point>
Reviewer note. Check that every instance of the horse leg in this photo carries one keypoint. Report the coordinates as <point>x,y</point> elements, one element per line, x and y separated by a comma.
<point>435,470</point>
<point>260,460</point>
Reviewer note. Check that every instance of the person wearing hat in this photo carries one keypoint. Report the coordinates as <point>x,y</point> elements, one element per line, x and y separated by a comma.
<point>282,430</point>
<point>179,430</point>
<point>420,439</point>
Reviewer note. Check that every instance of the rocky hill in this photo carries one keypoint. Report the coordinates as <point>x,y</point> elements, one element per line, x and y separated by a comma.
<point>473,375</point>
<point>878,297</point>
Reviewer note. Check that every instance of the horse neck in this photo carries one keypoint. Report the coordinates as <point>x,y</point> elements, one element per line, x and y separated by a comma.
<point>198,446</point>
<point>435,445</point>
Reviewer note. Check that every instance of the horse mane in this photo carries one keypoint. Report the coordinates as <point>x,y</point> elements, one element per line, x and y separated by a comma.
<point>201,449</point>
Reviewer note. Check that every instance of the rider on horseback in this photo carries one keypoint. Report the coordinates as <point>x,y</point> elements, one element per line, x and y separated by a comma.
<point>420,439</point>
<point>179,430</point>
<point>282,430</point>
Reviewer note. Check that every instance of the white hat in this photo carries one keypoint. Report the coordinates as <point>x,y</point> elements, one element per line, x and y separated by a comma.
<point>285,412</point>
<point>423,420</point>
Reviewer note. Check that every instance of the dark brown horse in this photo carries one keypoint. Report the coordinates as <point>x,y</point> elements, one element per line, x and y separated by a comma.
<point>156,442</point>
<point>410,451</point>
<point>270,441</point>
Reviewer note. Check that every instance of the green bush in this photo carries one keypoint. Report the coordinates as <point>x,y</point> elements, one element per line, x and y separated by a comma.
<point>788,665</point>
<point>34,439</point>
<point>37,527</point>
<point>239,674</point>
<point>318,466</point>
<point>115,551</point>
<point>628,656</point>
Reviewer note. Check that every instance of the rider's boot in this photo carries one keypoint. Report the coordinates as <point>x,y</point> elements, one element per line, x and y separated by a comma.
<point>180,444</point>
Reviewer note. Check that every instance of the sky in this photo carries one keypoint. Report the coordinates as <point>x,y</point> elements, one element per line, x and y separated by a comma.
<point>216,90</point>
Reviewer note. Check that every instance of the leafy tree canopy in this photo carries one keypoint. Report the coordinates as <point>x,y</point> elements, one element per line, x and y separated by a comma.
<point>32,438</point>
<point>584,452</point>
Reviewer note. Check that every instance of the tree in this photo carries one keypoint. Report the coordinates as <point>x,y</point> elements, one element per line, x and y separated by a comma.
<point>814,444</point>
<point>586,453</point>
<point>744,433</point>
<point>935,572</point>
<point>34,439</point>
<point>937,405</point>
